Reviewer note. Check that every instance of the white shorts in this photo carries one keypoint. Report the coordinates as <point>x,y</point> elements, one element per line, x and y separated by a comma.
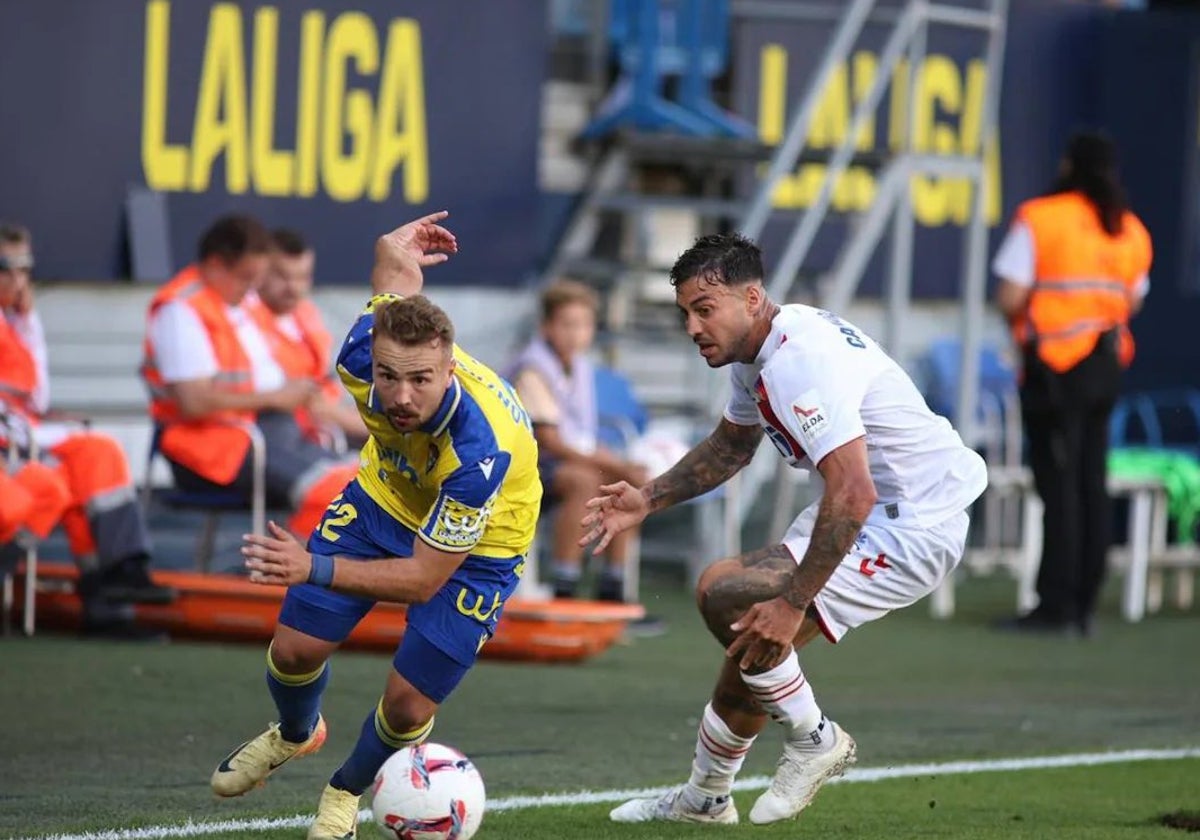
<point>888,568</point>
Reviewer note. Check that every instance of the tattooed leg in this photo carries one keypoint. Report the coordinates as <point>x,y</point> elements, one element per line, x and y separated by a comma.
<point>726,590</point>
<point>728,587</point>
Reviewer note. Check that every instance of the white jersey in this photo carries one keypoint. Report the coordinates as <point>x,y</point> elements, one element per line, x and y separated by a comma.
<point>819,382</point>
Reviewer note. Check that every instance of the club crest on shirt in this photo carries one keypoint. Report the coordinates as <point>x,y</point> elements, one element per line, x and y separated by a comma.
<point>458,525</point>
<point>811,417</point>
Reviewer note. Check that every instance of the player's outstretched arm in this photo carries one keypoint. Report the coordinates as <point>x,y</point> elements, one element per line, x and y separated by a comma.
<point>709,464</point>
<point>278,559</point>
<point>402,254</point>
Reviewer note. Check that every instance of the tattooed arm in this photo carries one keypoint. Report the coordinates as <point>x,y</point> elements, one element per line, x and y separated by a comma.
<point>622,506</point>
<point>709,464</point>
<point>766,631</point>
<point>847,500</point>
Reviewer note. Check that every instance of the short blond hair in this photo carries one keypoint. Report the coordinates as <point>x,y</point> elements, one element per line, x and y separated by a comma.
<point>413,321</point>
<point>562,293</point>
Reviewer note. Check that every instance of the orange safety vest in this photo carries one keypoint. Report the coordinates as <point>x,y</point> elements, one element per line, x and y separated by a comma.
<point>213,447</point>
<point>1084,279</point>
<point>306,357</point>
<point>18,370</point>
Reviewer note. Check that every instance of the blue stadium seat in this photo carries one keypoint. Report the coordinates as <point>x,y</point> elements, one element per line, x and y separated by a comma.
<point>1161,419</point>
<point>654,39</point>
<point>622,416</point>
<point>999,406</point>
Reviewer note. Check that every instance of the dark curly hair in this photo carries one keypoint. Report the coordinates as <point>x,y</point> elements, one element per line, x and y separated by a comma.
<point>727,258</point>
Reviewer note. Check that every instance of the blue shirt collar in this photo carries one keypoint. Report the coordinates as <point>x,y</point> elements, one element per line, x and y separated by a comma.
<point>441,418</point>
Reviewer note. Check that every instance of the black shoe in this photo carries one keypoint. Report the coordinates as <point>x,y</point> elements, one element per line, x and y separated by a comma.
<point>130,583</point>
<point>610,589</point>
<point>1037,623</point>
<point>565,587</point>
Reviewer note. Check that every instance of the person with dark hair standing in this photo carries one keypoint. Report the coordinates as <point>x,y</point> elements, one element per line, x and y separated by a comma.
<point>1073,270</point>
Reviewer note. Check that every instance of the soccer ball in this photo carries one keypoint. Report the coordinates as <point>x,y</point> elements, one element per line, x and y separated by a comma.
<point>430,792</point>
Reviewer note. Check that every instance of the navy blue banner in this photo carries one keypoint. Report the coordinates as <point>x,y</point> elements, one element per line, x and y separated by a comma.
<point>1043,96</point>
<point>340,119</point>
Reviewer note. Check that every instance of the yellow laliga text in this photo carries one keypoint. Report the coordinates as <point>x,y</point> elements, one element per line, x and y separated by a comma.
<point>360,123</point>
<point>948,119</point>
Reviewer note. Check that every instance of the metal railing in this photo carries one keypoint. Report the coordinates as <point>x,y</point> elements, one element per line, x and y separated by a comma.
<point>907,40</point>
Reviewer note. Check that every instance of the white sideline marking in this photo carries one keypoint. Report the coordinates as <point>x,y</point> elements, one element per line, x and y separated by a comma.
<point>518,803</point>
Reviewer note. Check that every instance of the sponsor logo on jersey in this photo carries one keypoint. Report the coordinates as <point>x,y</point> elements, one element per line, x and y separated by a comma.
<point>812,417</point>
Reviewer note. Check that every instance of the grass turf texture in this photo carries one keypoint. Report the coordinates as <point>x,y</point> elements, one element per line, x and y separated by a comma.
<point>110,735</point>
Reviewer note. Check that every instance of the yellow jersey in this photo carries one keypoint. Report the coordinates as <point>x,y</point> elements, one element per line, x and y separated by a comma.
<point>468,479</point>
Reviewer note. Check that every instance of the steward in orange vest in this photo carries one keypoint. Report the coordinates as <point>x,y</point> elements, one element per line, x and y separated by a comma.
<point>300,341</point>
<point>1087,280</point>
<point>212,377</point>
<point>1073,270</point>
<point>104,525</point>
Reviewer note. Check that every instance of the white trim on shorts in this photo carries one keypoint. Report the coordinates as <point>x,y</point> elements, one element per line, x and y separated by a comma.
<point>887,569</point>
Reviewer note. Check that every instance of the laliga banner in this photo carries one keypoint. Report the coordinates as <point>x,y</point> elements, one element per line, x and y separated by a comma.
<point>1040,101</point>
<point>338,118</point>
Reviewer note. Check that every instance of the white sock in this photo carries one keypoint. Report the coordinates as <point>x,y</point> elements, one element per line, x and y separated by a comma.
<point>787,696</point>
<point>719,755</point>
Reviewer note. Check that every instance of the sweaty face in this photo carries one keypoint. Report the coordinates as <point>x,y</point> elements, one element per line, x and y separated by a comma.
<point>718,318</point>
<point>16,262</point>
<point>288,281</point>
<point>233,281</point>
<point>570,330</point>
<point>410,380</point>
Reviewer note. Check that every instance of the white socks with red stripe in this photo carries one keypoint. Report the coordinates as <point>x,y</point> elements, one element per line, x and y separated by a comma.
<point>788,698</point>
<point>719,756</point>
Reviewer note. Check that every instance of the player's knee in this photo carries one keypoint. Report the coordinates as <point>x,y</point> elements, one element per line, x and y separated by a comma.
<point>407,711</point>
<point>721,598</point>
<point>292,656</point>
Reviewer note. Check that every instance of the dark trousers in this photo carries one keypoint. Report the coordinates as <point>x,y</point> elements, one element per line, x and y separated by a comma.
<point>1066,424</point>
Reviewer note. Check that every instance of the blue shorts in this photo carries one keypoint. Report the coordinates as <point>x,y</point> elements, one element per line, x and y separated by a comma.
<point>455,622</point>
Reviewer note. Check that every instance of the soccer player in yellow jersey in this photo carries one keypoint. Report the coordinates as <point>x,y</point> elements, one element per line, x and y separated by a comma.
<point>440,517</point>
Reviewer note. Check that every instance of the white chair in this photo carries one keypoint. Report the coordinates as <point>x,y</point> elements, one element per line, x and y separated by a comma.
<point>17,429</point>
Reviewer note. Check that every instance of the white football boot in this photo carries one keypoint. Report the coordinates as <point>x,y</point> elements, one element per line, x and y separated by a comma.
<point>673,807</point>
<point>800,774</point>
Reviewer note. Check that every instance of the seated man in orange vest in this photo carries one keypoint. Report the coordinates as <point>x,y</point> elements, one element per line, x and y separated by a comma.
<point>300,341</point>
<point>211,374</point>
<point>104,525</point>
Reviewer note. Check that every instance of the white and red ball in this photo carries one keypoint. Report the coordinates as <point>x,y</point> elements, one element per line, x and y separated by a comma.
<point>430,792</point>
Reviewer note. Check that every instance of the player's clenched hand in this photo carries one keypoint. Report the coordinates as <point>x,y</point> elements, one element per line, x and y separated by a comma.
<point>277,558</point>
<point>765,634</point>
<point>618,507</point>
<point>402,253</point>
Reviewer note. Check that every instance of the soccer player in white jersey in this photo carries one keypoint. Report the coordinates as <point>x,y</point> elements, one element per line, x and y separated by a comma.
<point>890,524</point>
